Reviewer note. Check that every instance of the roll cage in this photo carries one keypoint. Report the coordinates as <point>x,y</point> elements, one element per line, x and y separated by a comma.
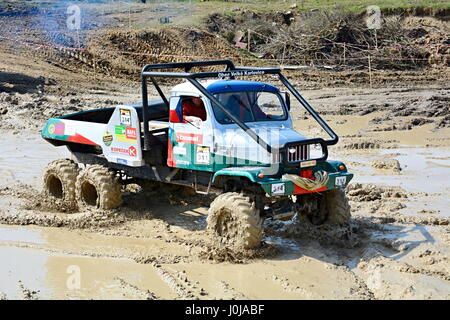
<point>231,71</point>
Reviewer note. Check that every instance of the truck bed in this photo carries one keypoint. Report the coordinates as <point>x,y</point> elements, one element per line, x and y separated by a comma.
<point>157,111</point>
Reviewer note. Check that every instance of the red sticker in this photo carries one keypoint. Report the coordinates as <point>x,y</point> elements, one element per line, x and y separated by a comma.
<point>132,152</point>
<point>119,150</point>
<point>131,133</point>
<point>190,138</point>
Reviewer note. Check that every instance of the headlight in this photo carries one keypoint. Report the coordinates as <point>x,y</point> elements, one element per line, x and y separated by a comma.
<point>315,151</point>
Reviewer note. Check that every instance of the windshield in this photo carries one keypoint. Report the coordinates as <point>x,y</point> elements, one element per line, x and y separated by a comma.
<point>250,106</point>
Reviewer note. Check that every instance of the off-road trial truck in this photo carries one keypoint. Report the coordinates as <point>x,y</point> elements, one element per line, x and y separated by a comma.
<point>245,151</point>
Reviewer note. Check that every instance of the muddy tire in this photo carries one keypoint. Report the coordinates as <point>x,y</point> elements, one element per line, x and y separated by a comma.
<point>59,181</point>
<point>338,207</point>
<point>332,208</point>
<point>233,220</point>
<point>98,187</point>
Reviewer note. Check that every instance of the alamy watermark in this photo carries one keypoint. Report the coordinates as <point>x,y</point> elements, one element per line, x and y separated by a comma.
<point>73,20</point>
<point>373,19</point>
<point>74,280</point>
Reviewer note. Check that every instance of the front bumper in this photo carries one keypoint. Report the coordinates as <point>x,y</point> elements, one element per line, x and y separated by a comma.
<point>277,187</point>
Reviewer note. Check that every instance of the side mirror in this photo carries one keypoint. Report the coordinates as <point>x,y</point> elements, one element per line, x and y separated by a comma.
<point>287,99</point>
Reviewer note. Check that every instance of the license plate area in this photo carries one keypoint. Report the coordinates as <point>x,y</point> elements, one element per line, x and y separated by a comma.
<point>340,181</point>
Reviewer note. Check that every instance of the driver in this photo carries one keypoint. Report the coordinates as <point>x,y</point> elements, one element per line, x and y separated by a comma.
<point>194,111</point>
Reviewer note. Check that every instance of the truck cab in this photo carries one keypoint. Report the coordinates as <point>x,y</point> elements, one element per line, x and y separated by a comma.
<point>216,142</point>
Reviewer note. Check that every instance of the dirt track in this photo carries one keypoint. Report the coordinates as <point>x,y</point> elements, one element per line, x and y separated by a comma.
<point>394,137</point>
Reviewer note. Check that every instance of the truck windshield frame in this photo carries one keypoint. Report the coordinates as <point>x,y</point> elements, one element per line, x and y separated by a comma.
<point>223,119</point>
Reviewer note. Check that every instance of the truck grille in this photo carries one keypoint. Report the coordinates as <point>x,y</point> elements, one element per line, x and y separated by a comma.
<point>297,153</point>
<point>276,158</point>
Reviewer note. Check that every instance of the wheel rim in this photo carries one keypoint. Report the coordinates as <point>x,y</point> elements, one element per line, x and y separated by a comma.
<point>226,227</point>
<point>54,187</point>
<point>89,194</point>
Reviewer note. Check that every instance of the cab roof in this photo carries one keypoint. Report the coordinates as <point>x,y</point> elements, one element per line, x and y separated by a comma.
<point>220,86</point>
<point>240,85</point>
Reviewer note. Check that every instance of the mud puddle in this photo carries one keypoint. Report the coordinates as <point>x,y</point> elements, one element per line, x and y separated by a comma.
<point>24,156</point>
<point>419,167</point>
<point>422,175</point>
<point>45,263</point>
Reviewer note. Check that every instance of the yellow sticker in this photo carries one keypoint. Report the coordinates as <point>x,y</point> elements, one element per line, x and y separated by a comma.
<point>51,129</point>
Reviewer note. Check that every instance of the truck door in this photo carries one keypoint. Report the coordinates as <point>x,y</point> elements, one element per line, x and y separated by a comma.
<point>190,142</point>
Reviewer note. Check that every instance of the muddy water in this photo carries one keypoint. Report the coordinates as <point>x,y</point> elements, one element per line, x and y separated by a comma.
<point>424,174</point>
<point>23,156</point>
<point>157,252</point>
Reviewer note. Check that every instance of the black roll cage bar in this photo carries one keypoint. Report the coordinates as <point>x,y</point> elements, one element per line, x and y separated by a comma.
<point>231,71</point>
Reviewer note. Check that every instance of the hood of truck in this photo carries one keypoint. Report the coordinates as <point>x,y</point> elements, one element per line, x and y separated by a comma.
<point>275,135</point>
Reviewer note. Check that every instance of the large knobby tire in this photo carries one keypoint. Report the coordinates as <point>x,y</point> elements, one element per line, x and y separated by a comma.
<point>59,181</point>
<point>338,207</point>
<point>332,208</point>
<point>98,187</point>
<point>233,220</point>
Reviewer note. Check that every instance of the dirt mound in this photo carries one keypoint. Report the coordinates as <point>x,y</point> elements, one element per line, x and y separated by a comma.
<point>387,164</point>
<point>369,192</point>
<point>435,106</point>
<point>315,38</point>
<point>30,110</point>
<point>125,52</point>
<point>364,143</point>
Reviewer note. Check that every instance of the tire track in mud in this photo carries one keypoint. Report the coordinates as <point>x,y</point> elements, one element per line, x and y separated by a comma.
<point>407,268</point>
<point>130,288</point>
<point>231,293</point>
<point>288,287</point>
<point>136,257</point>
<point>179,283</point>
<point>429,221</point>
<point>360,290</point>
<point>380,265</point>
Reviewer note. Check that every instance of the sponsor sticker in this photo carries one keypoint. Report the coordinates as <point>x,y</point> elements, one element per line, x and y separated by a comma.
<point>183,162</point>
<point>131,133</point>
<point>179,150</point>
<point>122,161</point>
<point>107,138</point>
<point>59,128</point>
<point>131,151</point>
<point>119,150</point>
<point>125,117</point>
<point>51,129</point>
<point>202,155</point>
<point>278,188</point>
<point>125,134</point>
<point>120,131</point>
<point>189,138</point>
